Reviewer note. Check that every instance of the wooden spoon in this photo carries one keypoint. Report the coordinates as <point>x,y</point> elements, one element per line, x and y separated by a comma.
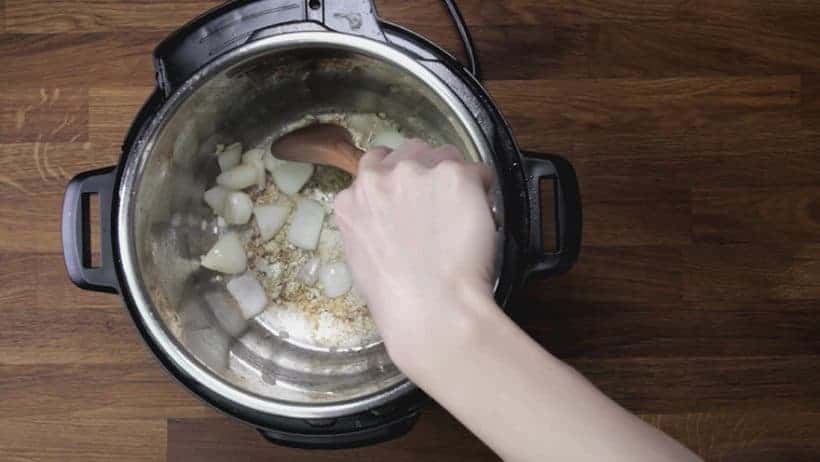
<point>326,144</point>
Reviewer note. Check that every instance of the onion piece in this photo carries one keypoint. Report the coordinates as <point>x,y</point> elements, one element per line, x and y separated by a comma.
<point>238,208</point>
<point>254,157</point>
<point>306,225</point>
<point>226,256</point>
<point>270,219</point>
<point>261,176</point>
<point>249,294</point>
<point>390,139</point>
<point>291,176</point>
<point>239,177</point>
<point>336,279</point>
<point>229,157</point>
<point>309,273</point>
<point>215,198</point>
<point>272,163</point>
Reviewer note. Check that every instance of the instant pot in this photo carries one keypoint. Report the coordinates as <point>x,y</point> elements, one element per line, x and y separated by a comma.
<point>249,70</point>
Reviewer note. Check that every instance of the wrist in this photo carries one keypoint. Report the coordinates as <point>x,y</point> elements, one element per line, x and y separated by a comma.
<point>454,326</point>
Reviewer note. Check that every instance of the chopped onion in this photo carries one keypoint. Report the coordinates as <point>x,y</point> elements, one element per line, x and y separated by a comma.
<point>249,294</point>
<point>336,279</point>
<point>229,157</point>
<point>291,176</point>
<point>309,273</point>
<point>389,139</point>
<point>306,224</point>
<point>271,163</point>
<point>226,256</point>
<point>261,176</point>
<point>254,157</point>
<point>215,198</point>
<point>270,219</point>
<point>238,208</point>
<point>239,177</point>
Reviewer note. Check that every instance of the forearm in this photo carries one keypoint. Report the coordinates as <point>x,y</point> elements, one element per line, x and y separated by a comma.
<point>523,402</point>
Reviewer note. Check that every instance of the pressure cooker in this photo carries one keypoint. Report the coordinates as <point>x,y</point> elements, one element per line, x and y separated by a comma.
<point>252,68</point>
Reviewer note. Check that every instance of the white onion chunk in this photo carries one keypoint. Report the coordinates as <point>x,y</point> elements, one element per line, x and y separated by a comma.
<point>270,219</point>
<point>249,294</point>
<point>255,158</point>
<point>215,198</point>
<point>271,163</point>
<point>239,177</point>
<point>309,273</point>
<point>306,225</point>
<point>226,256</point>
<point>238,208</point>
<point>229,157</point>
<point>290,177</point>
<point>336,279</point>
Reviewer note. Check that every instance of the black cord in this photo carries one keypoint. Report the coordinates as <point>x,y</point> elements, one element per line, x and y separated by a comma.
<point>466,39</point>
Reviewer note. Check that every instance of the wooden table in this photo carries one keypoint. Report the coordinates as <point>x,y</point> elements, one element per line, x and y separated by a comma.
<point>694,127</point>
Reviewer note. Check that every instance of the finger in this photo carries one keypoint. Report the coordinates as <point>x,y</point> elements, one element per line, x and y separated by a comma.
<point>431,157</point>
<point>343,204</point>
<point>373,158</point>
<point>409,150</point>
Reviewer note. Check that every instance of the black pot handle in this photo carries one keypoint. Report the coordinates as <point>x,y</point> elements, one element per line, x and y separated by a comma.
<point>238,22</point>
<point>568,215</point>
<point>344,440</point>
<point>76,230</point>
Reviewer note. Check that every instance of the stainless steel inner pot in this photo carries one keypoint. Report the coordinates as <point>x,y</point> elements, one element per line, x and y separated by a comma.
<point>163,226</point>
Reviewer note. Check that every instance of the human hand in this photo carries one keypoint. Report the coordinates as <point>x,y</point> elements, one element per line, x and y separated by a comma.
<point>419,237</point>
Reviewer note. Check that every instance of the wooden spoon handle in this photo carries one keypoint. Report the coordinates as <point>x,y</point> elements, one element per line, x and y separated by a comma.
<point>325,144</point>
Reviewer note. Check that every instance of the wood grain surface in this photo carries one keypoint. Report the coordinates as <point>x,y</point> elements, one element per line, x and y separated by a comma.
<point>694,127</point>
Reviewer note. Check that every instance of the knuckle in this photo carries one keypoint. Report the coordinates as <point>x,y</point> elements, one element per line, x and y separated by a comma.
<point>449,152</point>
<point>451,168</point>
<point>407,168</point>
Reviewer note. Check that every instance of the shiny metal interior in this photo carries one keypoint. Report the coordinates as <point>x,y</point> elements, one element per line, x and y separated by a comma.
<point>257,93</point>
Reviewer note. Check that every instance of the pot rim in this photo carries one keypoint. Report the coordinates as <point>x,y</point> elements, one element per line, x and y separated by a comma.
<point>126,199</point>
